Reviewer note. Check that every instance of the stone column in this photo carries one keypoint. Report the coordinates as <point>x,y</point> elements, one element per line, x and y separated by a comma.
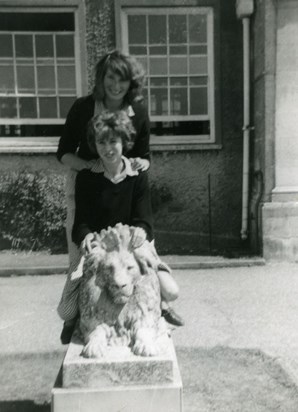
<point>280,216</point>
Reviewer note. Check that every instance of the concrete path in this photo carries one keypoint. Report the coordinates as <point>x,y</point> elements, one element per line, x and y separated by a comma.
<point>247,307</point>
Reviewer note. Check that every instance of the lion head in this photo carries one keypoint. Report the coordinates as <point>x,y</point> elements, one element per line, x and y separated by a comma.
<point>117,264</point>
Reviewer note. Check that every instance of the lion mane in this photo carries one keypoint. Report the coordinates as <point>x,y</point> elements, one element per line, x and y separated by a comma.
<point>119,299</point>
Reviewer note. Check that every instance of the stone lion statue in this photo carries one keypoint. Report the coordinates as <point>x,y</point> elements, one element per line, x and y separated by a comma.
<point>119,299</point>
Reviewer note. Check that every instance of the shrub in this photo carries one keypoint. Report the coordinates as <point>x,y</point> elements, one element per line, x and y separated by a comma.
<point>33,211</point>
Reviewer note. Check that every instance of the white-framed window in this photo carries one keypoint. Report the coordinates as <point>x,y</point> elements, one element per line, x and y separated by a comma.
<point>40,74</point>
<point>176,47</point>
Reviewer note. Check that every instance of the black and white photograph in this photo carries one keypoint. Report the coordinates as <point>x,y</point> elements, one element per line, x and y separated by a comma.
<point>148,205</point>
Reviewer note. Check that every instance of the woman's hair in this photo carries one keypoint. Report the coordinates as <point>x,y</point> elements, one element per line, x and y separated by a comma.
<point>127,67</point>
<point>103,125</point>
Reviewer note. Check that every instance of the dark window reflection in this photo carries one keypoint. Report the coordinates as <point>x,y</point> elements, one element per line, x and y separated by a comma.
<point>180,128</point>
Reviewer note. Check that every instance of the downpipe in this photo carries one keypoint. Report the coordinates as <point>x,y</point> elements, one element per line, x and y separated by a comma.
<point>246,127</point>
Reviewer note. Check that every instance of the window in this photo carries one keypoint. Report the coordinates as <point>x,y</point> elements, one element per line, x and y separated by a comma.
<point>39,73</point>
<point>176,47</point>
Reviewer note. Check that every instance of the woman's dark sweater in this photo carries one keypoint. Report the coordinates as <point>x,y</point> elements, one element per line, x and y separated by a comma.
<point>101,203</point>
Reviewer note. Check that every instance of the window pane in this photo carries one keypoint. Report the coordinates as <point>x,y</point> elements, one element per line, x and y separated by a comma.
<point>198,101</point>
<point>198,49</point>
<point>181,128</point>
<point>44,46</point>
<point>178,81</point>
<point>5,45</point>
<point>25,79</point>
<point>197,28</point>
<point>134,50</point>
<point>48,107</point>
<point>157,50</point>
<point>24,45</point>
<point>198,65</point>
<point>36,21</point>
<point>178,50</point>
<point>198,81</point>
<point>137,29</point>
<point>6,79</point>
<point>158,65</point>
<point>66,79</point>
<point>157,29</point>
<point>177,28</point>
<point>46,79</point>
<point>8,107</point>
<point>65,104</point>
<point>64,45</point>
<point>159,101</point>
<point>178,101</point>
<point>178,65</point>
<point>159,81</point>
<point>28,107</point>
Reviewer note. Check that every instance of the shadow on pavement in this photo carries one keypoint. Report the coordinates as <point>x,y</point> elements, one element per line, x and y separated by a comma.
<point>23,406</point>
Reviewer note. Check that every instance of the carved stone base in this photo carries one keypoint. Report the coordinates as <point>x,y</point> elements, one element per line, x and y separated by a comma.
<point>119,366</point>
<point>120,381</point>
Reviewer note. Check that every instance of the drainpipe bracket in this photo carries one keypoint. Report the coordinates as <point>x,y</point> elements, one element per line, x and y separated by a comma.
<point>247,127</point>
<point>244,8</point>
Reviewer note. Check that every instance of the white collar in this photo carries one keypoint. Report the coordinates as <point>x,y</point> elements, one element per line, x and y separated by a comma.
<point>127,171</point>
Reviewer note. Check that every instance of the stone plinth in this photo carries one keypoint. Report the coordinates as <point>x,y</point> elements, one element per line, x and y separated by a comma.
<point>280,231</point>
<point>119,367</point>
<point>119,382</point>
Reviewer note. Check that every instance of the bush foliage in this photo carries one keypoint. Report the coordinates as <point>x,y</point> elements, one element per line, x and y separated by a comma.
<point>32,211</point>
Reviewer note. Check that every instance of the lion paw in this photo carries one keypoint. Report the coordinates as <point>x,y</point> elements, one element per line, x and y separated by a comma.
<point>145,343</point>
<point>144,348</point>
<point>94,349</point>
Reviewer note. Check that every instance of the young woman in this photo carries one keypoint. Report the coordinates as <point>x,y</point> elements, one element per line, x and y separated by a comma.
<point>118,86</point>
<point>111,192</point>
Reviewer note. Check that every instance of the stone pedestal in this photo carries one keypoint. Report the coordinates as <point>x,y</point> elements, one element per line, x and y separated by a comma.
<point>280,231</point>
<point>119,382</point>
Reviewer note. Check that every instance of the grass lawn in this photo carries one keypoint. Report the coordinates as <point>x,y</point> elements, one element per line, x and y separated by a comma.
<point>214,380</point>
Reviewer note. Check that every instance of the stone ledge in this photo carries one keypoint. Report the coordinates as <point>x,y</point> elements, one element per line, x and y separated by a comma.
<point>137,398</point>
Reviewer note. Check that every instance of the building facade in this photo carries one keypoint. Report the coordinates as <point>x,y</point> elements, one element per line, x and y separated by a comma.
<point>192,51</point>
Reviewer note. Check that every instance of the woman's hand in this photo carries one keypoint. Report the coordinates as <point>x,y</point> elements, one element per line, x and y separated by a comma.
<point>138,237</point>
<point>139,164</point>
<point>88,243</point>
<point>90,163</point>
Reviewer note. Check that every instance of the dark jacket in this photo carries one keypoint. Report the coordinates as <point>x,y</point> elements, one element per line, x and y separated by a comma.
<point>101,203</point>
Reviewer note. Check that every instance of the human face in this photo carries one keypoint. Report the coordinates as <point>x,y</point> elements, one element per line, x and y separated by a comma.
<point>115,88</point>
<point>110,149</point>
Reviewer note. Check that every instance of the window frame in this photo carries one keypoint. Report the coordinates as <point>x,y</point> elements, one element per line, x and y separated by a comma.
<point>123,8</point>
<point>77,7</point>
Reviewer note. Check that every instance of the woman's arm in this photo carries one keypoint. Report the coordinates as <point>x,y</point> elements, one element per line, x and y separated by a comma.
<point>141,123</point>
<point>70,138</point>
<point>76,163</point>
<point>142,215</point>
<point>81,226</point>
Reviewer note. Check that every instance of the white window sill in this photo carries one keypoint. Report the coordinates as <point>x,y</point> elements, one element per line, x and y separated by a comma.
<point>50,144</point>
<point>28,145</point>
<point>176,143</point>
